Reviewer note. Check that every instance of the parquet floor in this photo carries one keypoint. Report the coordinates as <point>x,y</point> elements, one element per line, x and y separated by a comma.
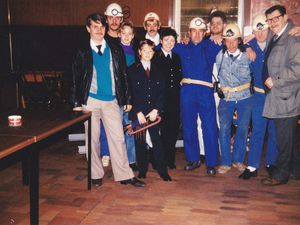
<point>191,199</point>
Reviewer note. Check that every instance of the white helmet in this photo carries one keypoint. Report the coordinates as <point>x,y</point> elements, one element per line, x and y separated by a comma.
<point>113,9</point>
<point>231,30</point>
<point>197,23</point>
<point>259,22</point>
<point>151,16</point>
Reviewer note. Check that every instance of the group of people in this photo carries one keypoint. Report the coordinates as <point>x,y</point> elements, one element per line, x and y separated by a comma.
<point>122,80</point>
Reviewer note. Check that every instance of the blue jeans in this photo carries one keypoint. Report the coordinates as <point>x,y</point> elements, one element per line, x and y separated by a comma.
<point>129,140</point>
<point>259,125</point>
<point>225,110</point>
<point>104,150</point>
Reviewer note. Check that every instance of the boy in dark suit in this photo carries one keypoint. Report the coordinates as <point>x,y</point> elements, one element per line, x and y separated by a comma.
<point>148,87</point>
<point>170,66</point>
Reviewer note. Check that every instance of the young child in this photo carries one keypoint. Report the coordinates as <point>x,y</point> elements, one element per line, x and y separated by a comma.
<point>148,88</point>
<point>126,35</point>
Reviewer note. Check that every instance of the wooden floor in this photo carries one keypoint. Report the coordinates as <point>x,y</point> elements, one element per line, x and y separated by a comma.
<point>191,199</point>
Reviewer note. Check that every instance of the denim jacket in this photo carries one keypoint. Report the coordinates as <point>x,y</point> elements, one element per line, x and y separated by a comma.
<point>234,72</point>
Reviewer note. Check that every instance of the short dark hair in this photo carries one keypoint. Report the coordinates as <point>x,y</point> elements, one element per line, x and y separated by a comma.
<point>280,8</point>
<point>168,32</point>
<point>220,14</point>
<point>96,17</point>
<point>146,42</point>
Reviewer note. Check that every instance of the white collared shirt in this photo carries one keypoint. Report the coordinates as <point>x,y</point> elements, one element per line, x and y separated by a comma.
<point>281,32</point>
<point>155,39</point>
<point>146,64</point>
<point>236,53</point>
<point>94,45</point>
<point>167,53</point>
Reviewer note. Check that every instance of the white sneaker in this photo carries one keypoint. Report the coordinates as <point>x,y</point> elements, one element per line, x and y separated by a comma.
<point>105,161</point>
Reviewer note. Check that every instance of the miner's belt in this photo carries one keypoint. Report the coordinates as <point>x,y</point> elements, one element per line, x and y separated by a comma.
<point>192,81</point>
<point>236,89</point>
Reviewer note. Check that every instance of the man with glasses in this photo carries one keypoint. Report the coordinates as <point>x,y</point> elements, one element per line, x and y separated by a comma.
<point>282,104</point>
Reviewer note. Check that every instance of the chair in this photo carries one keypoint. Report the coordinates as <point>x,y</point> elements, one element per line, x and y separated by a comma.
<point>34,90</point>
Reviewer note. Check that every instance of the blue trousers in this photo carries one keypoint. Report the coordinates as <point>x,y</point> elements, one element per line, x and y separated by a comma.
<point>226,109</point>
<point>129,140</point>
<point>194,102</point>
<point>104,150</point>
<point>259,126</point>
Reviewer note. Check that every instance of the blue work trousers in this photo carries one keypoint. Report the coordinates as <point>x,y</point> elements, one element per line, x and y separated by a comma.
<point>225,110</point>
<point>194,102</point>
<point>259,126</point>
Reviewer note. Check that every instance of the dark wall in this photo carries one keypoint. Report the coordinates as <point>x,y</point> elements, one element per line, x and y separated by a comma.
<point>46,47</point>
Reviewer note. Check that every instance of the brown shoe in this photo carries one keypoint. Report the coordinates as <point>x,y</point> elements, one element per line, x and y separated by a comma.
<point>272,182</point>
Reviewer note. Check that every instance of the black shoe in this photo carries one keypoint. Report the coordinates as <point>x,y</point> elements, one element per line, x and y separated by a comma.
<point>134,182</point>
<point>270,169</point>
<point>97,182</point>
<point>142,175</point>
<point>247,174</point>
<point>172,166</point>
<point>165,177</point>
<point>210,170</point>
<point>133,166</point>
<point>192,165</point>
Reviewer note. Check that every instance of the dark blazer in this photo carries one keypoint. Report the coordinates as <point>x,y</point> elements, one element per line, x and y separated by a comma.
<point>148,93</point>
<point>171,72</point>
<point>82,71</point>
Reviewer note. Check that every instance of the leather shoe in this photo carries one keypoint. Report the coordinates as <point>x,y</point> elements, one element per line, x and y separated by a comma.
<point>142,175</point>
<point>270,169</point>
<point>210,170</point>
<point>133,166</point>
<point>247,174</point>
<point>134,182</point>
<point>272,182</point>
<point>192,165</point>
<point>97,182</point>
<point>165,177</point>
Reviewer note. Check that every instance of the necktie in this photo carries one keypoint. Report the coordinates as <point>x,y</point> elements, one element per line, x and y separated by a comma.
<point>99,49</point>
<point>168,57</point>
<point>148,72</point>
<point>265,73</point>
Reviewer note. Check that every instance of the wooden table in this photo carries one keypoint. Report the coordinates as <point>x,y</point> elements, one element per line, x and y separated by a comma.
<point>37,126</point>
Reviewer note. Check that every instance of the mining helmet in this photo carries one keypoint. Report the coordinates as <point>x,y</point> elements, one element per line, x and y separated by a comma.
<point>231,30</point>
<point>197,23</point>
<point>113,9</point>
<point>151,16</point>
<point>259,22</point>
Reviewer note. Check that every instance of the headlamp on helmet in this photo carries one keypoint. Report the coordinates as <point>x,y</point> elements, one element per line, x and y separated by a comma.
<point>113,9</point>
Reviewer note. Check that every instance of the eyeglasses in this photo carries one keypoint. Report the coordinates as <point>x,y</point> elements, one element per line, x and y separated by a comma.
<point>274,19</point>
